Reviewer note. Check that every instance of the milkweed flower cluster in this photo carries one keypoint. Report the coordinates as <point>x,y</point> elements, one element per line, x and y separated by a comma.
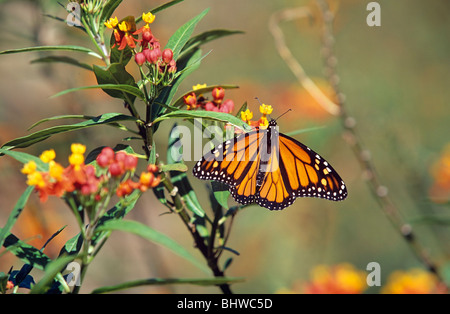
<point>338,279</point>
<point>263,122</point>
<point>113,175</point>
<point>413,281</point>
<point>145,47</point>
<point>218,103</point>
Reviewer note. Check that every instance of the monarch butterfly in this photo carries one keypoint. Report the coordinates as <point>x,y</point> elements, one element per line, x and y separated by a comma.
<point>271,169</point>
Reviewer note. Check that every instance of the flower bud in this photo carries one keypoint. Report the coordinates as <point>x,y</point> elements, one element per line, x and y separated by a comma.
<point>115,169</point>
<point>153,55</point>
<point>218,93</point>
<point>152,168</point>
<point>130,162</point>
<point>227,106</point>
<point>167,55</point>
<point>147,35</point>
<point>209,106</point>
<point>140,58</point>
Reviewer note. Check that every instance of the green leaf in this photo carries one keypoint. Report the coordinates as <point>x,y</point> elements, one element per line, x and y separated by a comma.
<point>152,235</point>
<point>52,48</point>
<point>63,59</point>
<point>206,37</point>
<point>174,167</point>
<point>180,179</point>
<point>18,208</point>
<point>221,193</point>
<point>25,141</point>
<point>117,213</point>
<point>116,74</point>
<point>169,281</point>
<point>27,253</point>
<point>208,115</point>
<point>108,10</point>
<point>52,270</point>
<point>24,158</point>
<point>127,89</point>
<point>182,35</point>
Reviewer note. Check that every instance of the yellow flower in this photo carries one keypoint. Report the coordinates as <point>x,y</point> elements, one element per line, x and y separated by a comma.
<point>148,17</point>
<point>56,170</point>
<point>78,148</point>
<point>342,278</point>
<point>265,109</point>
<point>125,27</point>
<point>198,86</point>
<point>112,22</point>
<point>76,160</point>
<point>48,155</point>
<point>263,122</point>
<point>29,167</point>
<point>414,281</point>
<point>246,115</point>
<point>36,179</point>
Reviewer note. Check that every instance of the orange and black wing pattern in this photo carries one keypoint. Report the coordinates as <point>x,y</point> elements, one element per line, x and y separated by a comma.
<point>235,163</point>
<point>270,169</point>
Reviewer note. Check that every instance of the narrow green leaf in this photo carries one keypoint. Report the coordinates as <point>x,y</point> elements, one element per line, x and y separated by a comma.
<point>165,6</point>
<point>169,281</point>
<point>67,116</point>
<point>208,115</point>
<point>27,253</point>
<point>118,87</point>
<point>18,208</point>
<point>52,269</point>
<point>25,141</point>
<point>221,193</point>
<point>24,158</point>
<point>205,37</point>
<point>180,179</point>
<point>63,59</point>
<point>108,10</point>
<point>174,167</point>
<point>182,35</point>
<point>152,235</point>
<point>52,48</point>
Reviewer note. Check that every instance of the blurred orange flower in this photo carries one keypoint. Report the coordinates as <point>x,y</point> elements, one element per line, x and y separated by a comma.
<point>338,279</point>
<point>440,171</point>
<point>414,281</point>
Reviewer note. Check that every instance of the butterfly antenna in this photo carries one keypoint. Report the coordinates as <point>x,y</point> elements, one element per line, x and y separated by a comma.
<point>258,100</point>
<point>283,114</point>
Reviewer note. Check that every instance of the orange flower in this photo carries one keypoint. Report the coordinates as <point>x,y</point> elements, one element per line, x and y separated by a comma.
<point>123,32</point>
<point>339,279</point>
<point>414,281</point>
<point>440,171</point>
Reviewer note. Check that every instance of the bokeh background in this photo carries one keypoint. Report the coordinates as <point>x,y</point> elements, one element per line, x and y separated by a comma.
<point>396,84</point>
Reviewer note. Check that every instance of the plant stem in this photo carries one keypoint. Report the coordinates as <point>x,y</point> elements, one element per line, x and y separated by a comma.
<point>199,240</point>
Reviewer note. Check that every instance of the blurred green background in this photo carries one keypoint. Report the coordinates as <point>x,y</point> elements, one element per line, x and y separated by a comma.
<point>396,82</point>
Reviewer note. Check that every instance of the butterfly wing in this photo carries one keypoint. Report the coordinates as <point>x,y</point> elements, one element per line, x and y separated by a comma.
<point>298,171</point>
<point>234,162</point>
<point>271,169</point>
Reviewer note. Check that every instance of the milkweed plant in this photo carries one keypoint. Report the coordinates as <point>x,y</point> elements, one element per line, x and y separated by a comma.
<point>102,186</point>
